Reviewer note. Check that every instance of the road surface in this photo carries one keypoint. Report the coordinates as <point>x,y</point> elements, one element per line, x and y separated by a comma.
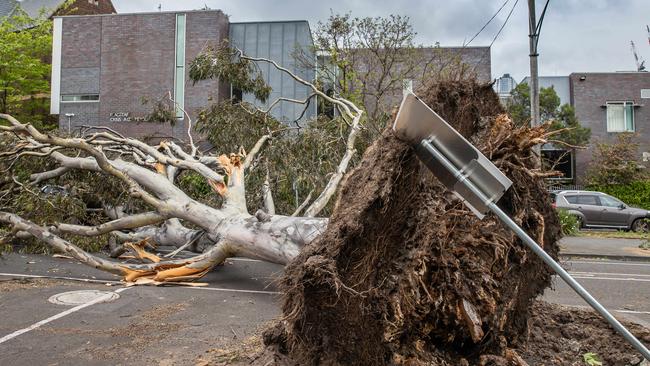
<point>173,325</point>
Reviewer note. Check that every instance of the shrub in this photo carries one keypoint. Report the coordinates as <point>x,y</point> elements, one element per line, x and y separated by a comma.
<point>569,223</point>
<point>635,194</point>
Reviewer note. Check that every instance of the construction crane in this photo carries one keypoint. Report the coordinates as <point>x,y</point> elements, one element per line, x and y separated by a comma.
<point>640,63</point>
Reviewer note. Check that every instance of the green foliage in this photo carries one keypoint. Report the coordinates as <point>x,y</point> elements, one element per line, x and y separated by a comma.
<point>592,359</point>
<point>163,110</point>
<point>25,45</point>
<point>370,58</point>
<point>569,223</point>
<point>225,64</point>
<point>615,163</point>
<point>84,193</point>
<point>519,108</point>
<point>298,159</point>
<point>560,116</point>
<point>575,135</point>
<point>636,193</point>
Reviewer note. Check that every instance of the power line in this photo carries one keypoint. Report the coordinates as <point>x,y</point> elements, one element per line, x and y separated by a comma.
<point>504,23</point>
<point>486,24</point>
<point>538,29</point>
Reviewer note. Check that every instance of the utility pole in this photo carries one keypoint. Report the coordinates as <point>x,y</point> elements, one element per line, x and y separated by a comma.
<point>533,36</point>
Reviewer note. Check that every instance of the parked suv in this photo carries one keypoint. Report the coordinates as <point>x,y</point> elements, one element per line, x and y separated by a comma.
<point>600,210</point>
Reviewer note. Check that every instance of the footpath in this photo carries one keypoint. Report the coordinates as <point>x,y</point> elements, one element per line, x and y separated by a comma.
<point>608,248</point>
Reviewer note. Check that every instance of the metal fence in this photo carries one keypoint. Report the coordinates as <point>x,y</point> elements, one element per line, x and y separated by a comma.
<point>565,187</point>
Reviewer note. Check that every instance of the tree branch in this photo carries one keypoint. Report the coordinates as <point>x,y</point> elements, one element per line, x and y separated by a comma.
<point>123,223</point>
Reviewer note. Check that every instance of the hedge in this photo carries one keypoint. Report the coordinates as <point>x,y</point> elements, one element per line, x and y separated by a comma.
<point>634,194</point>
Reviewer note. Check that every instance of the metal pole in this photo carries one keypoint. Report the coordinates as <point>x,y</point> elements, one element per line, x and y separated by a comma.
<point>534,77</point>
<point>537,249</point>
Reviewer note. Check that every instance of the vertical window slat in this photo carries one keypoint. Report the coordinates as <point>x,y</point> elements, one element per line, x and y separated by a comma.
<point>179,70</point>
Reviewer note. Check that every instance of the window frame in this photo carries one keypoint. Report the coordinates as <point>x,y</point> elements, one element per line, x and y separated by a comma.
<point>180,39</point>
<point>625,104</point>
<point>77,98</point>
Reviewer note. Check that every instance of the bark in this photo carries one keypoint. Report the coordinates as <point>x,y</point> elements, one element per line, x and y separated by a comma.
<point>175,218</point>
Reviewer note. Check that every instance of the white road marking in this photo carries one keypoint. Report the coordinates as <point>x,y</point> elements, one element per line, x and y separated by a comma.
<point>640,312</point>
<point>91,280</point>
<point>610,263</point>
<point>633,312</point>
<point>234,290</point>
<point>241,259</point>
<point>58,316</point>
<point>119,282</point>
<point>581,273</point>
<point>613,278</point>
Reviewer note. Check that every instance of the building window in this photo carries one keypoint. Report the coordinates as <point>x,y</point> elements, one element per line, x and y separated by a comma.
<point>620,117</point>
<point>645,93</point>
<point>80,98</point>
<point>179,72</point>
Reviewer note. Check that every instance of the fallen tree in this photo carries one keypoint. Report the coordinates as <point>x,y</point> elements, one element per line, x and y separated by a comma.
<point>405,273</point>
<point>149,173</point>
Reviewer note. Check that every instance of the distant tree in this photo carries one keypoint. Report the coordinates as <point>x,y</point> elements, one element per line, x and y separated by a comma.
<point>368,60</point>
<point>562,117</point>
<point>25,45</point>
<point>616,163</point>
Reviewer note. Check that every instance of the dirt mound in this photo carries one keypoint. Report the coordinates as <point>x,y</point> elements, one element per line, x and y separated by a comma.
<point>405,273</point>
<point>561,335</point>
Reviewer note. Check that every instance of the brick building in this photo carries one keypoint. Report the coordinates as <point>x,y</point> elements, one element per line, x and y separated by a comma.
<point>104,66</point>
<point>608,103</point>
<point>611,103</point>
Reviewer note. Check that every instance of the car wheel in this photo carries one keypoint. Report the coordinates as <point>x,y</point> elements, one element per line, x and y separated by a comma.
<point>641,226</point>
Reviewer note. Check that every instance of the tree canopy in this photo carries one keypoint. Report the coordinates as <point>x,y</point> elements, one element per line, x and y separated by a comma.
<point>25,46</point>
<point>561,116</point>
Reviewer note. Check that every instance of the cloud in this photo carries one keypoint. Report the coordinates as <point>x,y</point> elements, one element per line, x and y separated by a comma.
<point>577,35</point>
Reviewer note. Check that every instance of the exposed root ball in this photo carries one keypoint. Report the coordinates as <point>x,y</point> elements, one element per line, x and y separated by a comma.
<point>404,272</point>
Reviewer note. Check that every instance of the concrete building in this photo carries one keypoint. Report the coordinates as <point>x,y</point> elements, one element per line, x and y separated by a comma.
<point>610,103</point>
<point>278,41</point>
<point>559,83</point>
<point>504,86</point>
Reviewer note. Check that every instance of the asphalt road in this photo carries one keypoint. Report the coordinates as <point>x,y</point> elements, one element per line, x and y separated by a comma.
<point>178,326</point>
<point>621,287</point>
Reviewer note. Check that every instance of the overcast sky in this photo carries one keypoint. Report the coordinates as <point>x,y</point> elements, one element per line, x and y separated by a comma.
<point>577,35</point>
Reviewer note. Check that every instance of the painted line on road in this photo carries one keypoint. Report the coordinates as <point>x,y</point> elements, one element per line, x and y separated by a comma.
<point>624,311</point>
<point>60,315</point>
<point>61,278</point>
<point>234,290</point>
<point>610,263</point>
<point>581,273</point>
<point>122,283</point>
<point>241,259</point>
<point>612,278</point>
<point>633,312</point>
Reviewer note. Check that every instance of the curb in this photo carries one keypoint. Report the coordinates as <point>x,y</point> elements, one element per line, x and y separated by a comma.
<point>624,258</point>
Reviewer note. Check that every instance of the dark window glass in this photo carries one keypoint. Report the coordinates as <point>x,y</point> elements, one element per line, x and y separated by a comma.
<point>572,199</point>
<point>588,200</point>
